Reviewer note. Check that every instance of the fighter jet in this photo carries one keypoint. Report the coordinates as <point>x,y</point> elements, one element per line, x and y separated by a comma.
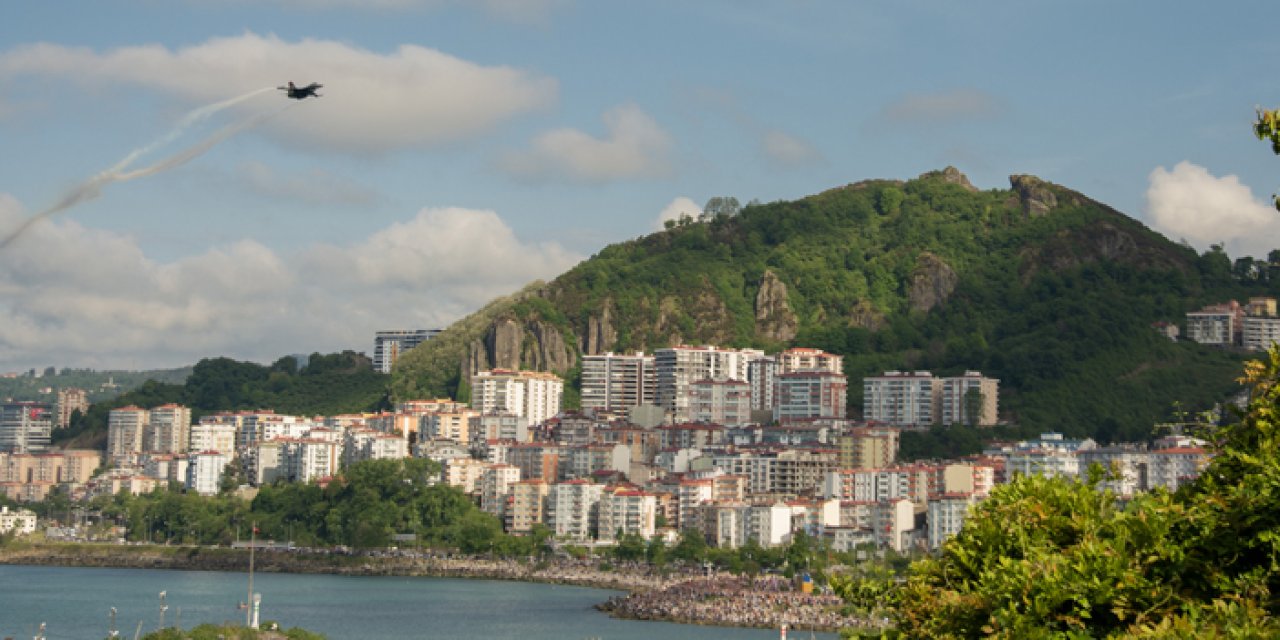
<point>298,93</point>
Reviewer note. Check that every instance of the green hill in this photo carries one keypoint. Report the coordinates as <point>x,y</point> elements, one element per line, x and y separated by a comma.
<point>326,385</point>
<point>1037,285</point>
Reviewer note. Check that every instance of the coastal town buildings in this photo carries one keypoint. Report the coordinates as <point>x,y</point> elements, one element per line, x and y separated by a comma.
<point>388,345</point>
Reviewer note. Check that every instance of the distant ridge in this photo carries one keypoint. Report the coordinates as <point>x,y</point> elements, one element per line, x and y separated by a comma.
<point>1038,285</point>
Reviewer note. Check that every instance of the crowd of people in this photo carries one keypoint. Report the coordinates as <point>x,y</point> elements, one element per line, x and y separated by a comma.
<point>768,601</point>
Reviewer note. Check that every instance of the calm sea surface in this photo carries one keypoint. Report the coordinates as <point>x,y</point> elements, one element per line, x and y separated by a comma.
<point>75,603</point>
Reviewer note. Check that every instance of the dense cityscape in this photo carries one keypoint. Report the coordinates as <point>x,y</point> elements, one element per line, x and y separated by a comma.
<point>736,444</point>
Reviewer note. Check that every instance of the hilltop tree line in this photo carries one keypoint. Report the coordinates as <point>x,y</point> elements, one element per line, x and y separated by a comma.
<point>327,384</point>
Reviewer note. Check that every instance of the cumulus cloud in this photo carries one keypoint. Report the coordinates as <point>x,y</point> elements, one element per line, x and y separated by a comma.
<point>1190,203</point>
<point>634,147</point>
<point>789,151</point>
<point>413,97</point>
<point>74,296</point>
<point>941,108</point>
<point>681,206</point>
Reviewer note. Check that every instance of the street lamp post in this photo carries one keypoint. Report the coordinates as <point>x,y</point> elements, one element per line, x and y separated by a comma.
<point>163,608</point>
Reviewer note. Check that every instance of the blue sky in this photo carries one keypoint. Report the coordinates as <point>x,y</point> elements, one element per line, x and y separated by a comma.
<point>464,148</point>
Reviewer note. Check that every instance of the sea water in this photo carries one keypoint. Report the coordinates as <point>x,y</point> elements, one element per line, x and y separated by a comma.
<point>77,602</point>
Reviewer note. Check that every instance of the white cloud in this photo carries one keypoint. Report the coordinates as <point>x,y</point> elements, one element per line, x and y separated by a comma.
<point>635,147</point>
<point>73,296</point>
<point>413,97</point>
<point>1190,203</point>
<point>681,206</point>
<point>789,151</point>
<point>941,108</point>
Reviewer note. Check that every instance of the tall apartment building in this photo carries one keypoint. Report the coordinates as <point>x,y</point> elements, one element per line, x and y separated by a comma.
<point>868,448</point>
<point>810,393</point>
<point>806,359</point>
<point>449,425</point>
<point>168,429</point>
<point>617,382</point>
<point>25,426</point>
<point>762,374</point>
<point>968,399</point>
<point>388,345</point>
<point>572,509</point>
<point>626,511</point>
<point>70,400</point>
<point>1261,324</point>
<point>901,399</point>
<point>918,399</point>
<point>528,505</point>
<point>679,367</point>
<point>536,396</point>
<point>1220,325</point>
<point>726,402</point>
<point>125,430</point>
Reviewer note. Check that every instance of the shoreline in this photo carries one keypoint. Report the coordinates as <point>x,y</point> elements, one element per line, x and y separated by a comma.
<point>649,595</point>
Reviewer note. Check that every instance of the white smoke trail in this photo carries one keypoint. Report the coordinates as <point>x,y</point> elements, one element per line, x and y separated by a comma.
<point>92,188</point>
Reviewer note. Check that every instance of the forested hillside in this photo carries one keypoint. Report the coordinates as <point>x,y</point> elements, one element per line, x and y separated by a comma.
<point>1039,286</point>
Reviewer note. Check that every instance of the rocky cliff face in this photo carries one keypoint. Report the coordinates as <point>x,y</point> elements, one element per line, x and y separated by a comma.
<point>774,318</point>
<point>931,283</point>
<point>510,344</point>
<point>600,335</point>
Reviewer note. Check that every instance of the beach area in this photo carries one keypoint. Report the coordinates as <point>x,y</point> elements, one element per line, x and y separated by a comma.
<point>673,594</point>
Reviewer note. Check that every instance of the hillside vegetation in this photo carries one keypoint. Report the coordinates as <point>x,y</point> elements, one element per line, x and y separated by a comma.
<point>1039,286</point>
<point>327,385</point>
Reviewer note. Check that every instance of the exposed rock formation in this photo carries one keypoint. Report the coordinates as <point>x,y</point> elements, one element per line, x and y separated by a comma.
<point>1036,196</point>
<point>952,175</point>
<point>535,345</point>
<point>865,315</point>
<point>600,335</point>
<point>931,283</point>
<point>774,318</point>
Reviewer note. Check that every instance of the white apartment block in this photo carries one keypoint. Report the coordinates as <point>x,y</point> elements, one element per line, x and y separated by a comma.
<point>204,471</point>
<point>168,429</point>
<point>616,382</point>
<point>70,400</point>
<point>626,511</point>
<point>25,427</point>
<point>679,367</point>
<point>311,459</point>
<point>726,402</point>
<point>125,427</point>
<point>212,436</point>
<point>465,473</point>
<point>762,374</point>
<point>791,471</point>
<point>367,444</point>
<point>901,399</point>
<point>1124,468</point>
<point>946,516</point>
<point>810,394</point>
<point>21,522</point>
<point>806,359</point>
<point>1216,325</point>
<point>495,487</point>
<point>1261,332</point>
<point>389,345</point>
<point>536,396</point>
<point>572,508</point>
<point>265,462</point>
<point>1175,466</point>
